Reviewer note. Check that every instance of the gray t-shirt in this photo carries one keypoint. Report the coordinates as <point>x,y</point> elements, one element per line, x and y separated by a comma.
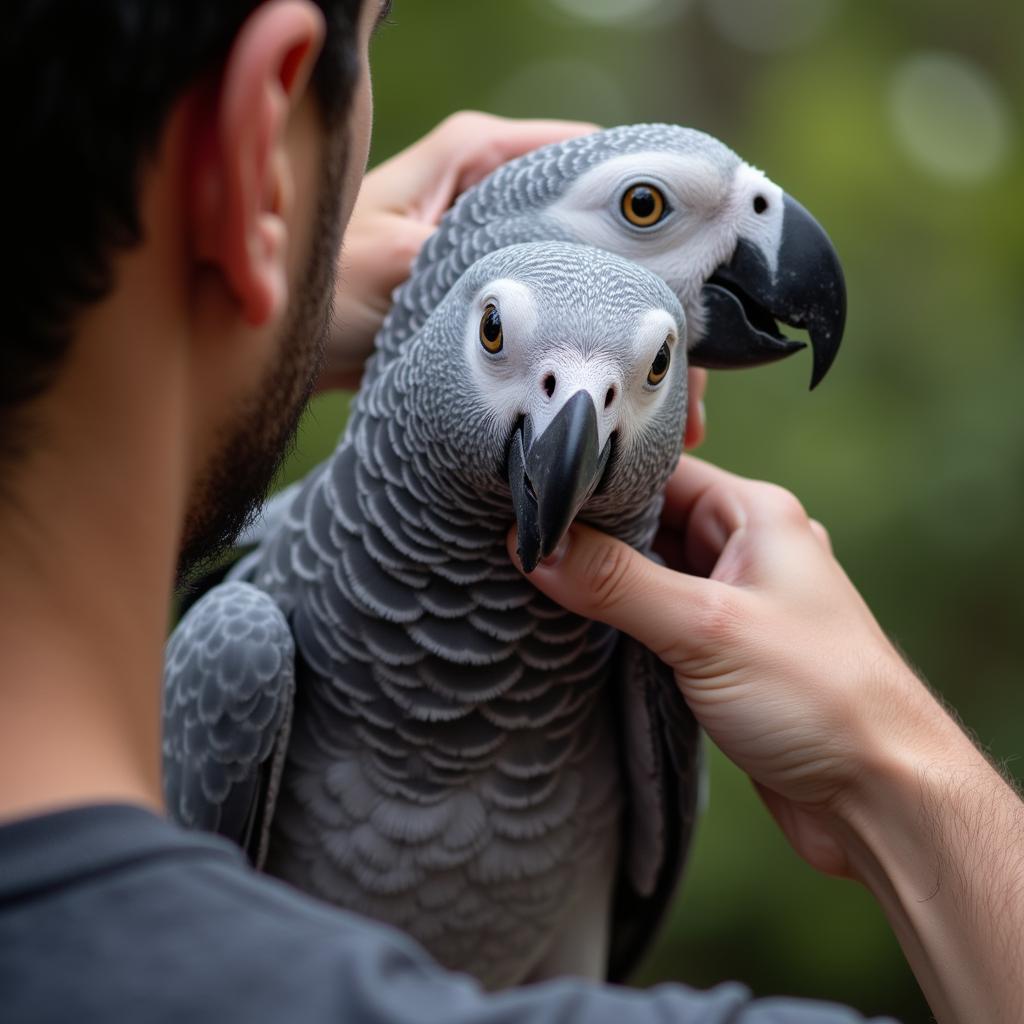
<point>111,915</point>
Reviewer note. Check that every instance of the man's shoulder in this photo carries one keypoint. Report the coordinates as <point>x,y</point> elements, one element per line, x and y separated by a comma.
<point>110,913</point>
<point>111,905</point>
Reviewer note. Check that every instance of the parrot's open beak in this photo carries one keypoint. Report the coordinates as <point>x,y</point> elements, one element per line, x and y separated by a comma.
<point>552,475</point>
<point>744,298</point>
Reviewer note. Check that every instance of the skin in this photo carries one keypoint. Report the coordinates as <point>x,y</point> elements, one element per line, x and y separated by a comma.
<point>782,662</point>
<point>865,772</point>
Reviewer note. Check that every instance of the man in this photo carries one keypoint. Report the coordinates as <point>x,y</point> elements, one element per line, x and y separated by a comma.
<point>179,177</point>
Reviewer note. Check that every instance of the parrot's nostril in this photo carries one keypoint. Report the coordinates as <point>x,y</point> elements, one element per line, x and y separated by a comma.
<point>760,204</point>
<point>549,384</point>
<point>609,397</point>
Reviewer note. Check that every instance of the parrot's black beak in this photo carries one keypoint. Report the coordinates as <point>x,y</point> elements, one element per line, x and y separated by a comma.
<point>744,298</point>
<point>552,475</point>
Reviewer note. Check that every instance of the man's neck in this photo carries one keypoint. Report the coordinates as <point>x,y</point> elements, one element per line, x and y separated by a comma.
<point>88,545</point>
<point>80,645</point>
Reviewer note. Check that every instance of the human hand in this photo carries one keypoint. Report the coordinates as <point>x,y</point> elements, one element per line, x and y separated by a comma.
<point>776,653</point>
<point>788,671</point>
<point>400,204</point>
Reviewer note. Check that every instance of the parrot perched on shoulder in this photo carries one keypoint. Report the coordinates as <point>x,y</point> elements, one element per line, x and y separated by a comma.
<point>377,705</point>
<point>388,714</point>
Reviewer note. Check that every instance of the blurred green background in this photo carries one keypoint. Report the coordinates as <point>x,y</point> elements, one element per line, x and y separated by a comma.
<point>898,126</point>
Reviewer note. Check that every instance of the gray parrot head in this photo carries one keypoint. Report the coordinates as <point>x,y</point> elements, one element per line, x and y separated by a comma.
<point>564,384</point>
<point>738,251</point>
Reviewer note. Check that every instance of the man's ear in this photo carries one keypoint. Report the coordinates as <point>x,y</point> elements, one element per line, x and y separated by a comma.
<point>241,185</point>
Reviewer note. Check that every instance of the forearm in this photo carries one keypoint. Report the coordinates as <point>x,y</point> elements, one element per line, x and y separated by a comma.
<point>938,837</point>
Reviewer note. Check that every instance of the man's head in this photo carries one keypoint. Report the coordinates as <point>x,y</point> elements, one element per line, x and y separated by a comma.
<point>180,176</point>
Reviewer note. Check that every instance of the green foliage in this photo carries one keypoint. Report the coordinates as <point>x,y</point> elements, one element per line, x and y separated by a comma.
<point>912,452</point>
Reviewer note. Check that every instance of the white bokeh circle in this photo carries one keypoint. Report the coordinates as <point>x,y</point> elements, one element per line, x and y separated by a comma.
<point>770,26</point>
<point>950,117</point>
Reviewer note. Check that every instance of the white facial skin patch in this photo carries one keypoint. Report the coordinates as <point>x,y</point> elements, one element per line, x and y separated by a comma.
<point>707,208</point>
<point>542,365</point>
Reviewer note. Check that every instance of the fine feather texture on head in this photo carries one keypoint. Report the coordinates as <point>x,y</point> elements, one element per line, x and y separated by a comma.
<point>573,191</point>
<point>574,318</point>
<point>678,202</point>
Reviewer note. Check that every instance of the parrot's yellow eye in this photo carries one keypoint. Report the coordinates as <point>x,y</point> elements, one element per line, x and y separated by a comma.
<point>491,336</point>
<point>660,365</point>
<point>643,205</point>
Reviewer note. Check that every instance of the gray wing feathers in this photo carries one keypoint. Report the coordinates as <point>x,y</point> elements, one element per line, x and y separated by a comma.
<point>229,685</point>
<point>663,765</point>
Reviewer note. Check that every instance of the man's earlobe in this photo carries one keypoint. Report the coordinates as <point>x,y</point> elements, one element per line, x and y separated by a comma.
<point>241,185</point>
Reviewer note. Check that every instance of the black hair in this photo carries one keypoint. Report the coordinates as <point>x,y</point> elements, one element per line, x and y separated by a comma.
<point>90,84</point>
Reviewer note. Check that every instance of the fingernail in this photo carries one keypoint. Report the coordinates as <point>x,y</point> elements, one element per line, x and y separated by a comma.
<point>702,413</point>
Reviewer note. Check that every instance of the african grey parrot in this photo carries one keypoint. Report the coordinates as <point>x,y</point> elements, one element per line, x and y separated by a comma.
<point>738,251</point>
<point>442,747</point>
<point>675,200</point>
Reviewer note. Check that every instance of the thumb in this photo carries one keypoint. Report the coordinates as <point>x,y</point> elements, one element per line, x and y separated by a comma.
<point>600,577</point>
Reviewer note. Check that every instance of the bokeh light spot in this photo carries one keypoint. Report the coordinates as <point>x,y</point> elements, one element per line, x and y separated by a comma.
<point>614,11</point>
<point>950,117</point>
<point>769,26</point>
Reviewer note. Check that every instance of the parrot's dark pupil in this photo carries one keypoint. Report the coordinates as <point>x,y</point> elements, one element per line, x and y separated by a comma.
<point>643,202</point>
<point>660,362</point>
<point>492,326</point>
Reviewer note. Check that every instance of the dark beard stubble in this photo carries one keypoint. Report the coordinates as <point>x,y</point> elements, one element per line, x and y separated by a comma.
<point>234,484</point>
